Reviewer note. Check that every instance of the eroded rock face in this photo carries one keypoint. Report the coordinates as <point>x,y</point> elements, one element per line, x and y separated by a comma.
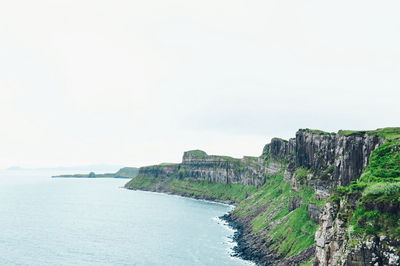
<point>333,248</point>
<point>315,151</point>
<point>352,155</point>
<point>374,251</point>
<point>294,203</point>
<point>248,171</point>
<point>334,160</point>
<point>159,171</point>
<point>330,237</point>
<point>314,212</point>
<point>330,160</point>
<point>279,149</point>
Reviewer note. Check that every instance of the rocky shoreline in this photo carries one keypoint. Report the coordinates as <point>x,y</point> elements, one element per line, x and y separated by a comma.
<point>282,195</point>
<point>242,250</point>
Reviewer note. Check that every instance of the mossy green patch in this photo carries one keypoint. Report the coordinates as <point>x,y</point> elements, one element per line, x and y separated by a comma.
<point>193,187</point>
<point>377,194</point>
<point>289,231</point>
<point>206,189</point>
<point>143,182</point>
<point>301,173</point>
<point>310,262</point>
<point>295,233</point>
<point>199,154</point>
<point>316,131</point>
<point>387,133</point>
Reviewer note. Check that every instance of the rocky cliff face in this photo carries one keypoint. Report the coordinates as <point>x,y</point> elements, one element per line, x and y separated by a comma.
<point>332,160</point>
<point>248,171</point>
<point>127,172</point>
<point>159,171</point>
<point>313,161</point>
<point>333,246</point>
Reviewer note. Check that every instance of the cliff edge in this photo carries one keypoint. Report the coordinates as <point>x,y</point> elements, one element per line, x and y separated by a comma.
<point>319,198</point>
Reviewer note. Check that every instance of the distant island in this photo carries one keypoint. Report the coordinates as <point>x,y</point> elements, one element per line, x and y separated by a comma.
<point>125,172</point>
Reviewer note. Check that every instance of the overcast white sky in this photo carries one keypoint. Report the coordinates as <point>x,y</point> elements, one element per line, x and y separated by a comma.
<point>138,82</point>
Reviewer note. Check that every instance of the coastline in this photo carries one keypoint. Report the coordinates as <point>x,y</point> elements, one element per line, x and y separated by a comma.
<point>240,236</point>
<point>241,249</point>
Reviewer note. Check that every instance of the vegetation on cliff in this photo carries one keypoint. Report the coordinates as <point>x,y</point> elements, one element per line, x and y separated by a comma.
<point>232,193</point>
<point>280,214</point>
<point>387,133</point>
<point>281,194</point>
<point>374,200</point>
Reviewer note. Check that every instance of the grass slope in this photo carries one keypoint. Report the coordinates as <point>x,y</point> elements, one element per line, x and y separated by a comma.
<point>377,209</point>
<point>194,187</point>
<point>289,231</point>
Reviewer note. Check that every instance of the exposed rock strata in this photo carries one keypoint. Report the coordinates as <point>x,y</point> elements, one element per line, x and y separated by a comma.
<point>331,160</point>
<point>248,171</point>
<point>333,246</point>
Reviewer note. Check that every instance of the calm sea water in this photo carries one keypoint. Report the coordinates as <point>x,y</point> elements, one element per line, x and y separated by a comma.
<point>50,221</point>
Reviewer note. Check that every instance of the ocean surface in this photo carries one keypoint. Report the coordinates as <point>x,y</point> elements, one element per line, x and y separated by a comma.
<point>71,221</point>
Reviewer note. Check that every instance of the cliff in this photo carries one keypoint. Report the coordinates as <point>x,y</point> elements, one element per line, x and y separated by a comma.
<point>126,172</point>
<point>196,164</point>
<point>296,201</point>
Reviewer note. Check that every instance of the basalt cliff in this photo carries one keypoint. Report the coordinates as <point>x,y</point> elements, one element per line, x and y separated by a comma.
<point>317,199</point>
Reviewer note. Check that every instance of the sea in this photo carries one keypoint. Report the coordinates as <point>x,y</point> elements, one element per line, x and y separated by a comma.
<point>95,221</point>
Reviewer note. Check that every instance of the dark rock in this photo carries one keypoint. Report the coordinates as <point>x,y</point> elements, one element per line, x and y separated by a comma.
<point>248,171</point>
<point>335,160</point>
<point>295,202</point>
<point>314,211</point>
<point>374,251</point>
<point>333,247</point>
<point>279,150</point>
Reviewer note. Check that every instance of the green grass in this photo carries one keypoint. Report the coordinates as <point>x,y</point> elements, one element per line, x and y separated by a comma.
<point>295,233</point>
<point>301,173</point>
<point>387,133</point>
<point>207,189</point>
<point>316,131</point>
<point>378,192</point>
<point>194,187</point>
<point>383,190</point>
<point>310,262</point>
<point>374,222</point>
<point>384,163</point>
<point>290,231</point>
<point>199,154</point>
<point>143,182</point>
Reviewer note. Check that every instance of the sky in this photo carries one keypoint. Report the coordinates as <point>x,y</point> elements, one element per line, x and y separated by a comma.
<point>138,82</point>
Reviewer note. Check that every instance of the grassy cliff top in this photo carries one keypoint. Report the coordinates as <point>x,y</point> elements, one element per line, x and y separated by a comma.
<point>199,154</point>
<point>316,131</point>
<point>386,133</point>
